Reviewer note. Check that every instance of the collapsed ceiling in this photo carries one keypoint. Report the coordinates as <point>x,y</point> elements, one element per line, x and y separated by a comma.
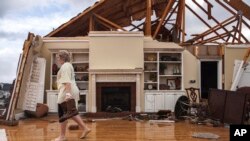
<point>164,20</point>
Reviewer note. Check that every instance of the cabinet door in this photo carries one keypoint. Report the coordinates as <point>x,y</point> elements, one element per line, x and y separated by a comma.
<point>52,102</point>
<point>149,102</point>
<point>159,102</point>
<point>169,101</point>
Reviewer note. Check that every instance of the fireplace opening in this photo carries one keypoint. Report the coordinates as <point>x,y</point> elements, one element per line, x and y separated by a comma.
<point>119,95</point>
<point>116,97</point>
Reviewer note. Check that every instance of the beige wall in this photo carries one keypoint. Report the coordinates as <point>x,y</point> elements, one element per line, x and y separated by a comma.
<point>231,54</point>
<point>66,44</point>
<point>117,51</point>
<point>191,70</point>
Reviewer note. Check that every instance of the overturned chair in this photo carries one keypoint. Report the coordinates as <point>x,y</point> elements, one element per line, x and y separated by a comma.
<point>191,105</point>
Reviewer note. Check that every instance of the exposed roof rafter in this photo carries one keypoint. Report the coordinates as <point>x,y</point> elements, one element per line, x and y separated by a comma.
<point>164,20</point>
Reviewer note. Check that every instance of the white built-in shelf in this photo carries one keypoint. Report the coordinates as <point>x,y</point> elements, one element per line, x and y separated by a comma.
<point>80,60</point>
<point>163,71</point>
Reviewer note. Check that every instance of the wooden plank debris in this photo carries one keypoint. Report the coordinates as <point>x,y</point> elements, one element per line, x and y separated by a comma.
<point>240,67</point>
<point>15,93</point>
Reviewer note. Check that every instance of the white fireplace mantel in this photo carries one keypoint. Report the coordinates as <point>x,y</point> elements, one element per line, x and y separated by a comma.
<point>130,75</point>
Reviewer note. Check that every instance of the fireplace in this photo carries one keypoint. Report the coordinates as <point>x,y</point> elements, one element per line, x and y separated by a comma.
<point>120,95</point>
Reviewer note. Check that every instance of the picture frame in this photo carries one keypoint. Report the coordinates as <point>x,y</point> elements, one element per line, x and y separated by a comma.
<point>171,84</point>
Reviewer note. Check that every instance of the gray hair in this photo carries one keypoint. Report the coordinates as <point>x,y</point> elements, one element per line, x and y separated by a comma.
<point>64,55</point>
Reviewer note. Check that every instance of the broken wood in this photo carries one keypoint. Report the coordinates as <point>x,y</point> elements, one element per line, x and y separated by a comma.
<point>148,18</point>
<point>240,70</point>
<point>109,22</point>
<point>15,93</point>
<point>165,13</point>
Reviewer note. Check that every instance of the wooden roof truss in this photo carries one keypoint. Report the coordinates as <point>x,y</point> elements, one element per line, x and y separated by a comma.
<point>164,20</point>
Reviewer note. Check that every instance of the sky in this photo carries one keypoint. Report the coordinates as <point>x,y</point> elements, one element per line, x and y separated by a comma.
<point>19,17</point>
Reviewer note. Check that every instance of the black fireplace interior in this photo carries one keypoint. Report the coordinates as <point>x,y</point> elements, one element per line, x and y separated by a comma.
<point>119,97</point>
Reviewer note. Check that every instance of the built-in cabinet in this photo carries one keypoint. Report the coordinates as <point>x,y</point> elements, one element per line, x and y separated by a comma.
<point>163,71</point>
<point>163,79</point>
<point>80,62</point>
<point>157,100</point>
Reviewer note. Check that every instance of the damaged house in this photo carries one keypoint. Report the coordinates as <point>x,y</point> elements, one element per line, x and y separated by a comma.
<point>135,55</point>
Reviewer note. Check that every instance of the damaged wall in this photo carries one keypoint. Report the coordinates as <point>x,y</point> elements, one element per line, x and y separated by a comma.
<point>34,51</point>
<point>233,52</point>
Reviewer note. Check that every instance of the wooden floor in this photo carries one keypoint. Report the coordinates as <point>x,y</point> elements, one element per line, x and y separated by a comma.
<point>47,128</point>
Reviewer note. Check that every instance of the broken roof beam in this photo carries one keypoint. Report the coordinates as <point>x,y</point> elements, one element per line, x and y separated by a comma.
<point>164,15</point>
<point>105,25</point>
<point>207,12</point>
<point>232,12</point>
<point>236,30</point>
<point>240,26</point>
<point>109,22</point>
<point>228,38</point>
<point>91,24</point>
<point>183,30</point>
<point>209,9</point>
<point>143,23</point>
<point>180,15</point>
<point>239,5</point>
<point>148,18</point>
<point>214,38</point>
<point>170,15</point>
<point>217,27</point>
<point>220,25</point>
<point>201,35</point>
<point>237,26</point>
<point>246,55</point>
<point>118,14</point>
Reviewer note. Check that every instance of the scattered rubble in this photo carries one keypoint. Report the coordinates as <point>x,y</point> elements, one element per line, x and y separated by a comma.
<point>205,135</point>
